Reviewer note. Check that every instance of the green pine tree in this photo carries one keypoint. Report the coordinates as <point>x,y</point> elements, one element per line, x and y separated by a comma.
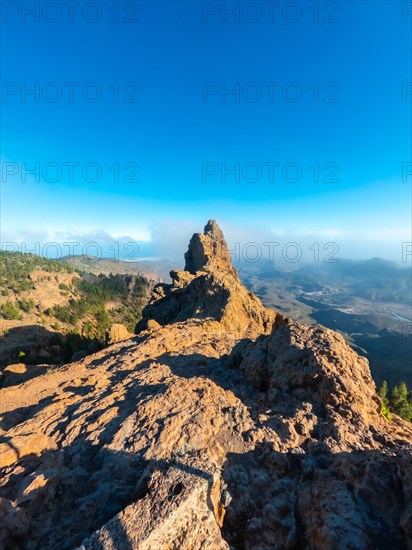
<point>383,394</point>
<point>397,396</point>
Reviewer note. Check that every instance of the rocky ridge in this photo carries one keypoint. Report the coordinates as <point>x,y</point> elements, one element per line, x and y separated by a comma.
<point>208,288</point>
<point>221,425</point>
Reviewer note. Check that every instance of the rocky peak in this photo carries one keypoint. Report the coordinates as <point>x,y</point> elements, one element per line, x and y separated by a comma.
<point>208,251</point>
<point>208,287</point>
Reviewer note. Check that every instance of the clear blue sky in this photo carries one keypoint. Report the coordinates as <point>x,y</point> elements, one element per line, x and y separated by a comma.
<point>170,52</point>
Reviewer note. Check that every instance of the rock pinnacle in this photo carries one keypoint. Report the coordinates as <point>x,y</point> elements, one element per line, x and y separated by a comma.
<point>208,251</point>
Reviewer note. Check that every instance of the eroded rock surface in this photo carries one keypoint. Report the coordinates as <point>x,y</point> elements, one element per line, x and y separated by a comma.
<point>209,287</point>
<point>222,425</point>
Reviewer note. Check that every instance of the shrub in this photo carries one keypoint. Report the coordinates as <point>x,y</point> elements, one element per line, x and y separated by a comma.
<point>26,305</point>
<point>9,311</point>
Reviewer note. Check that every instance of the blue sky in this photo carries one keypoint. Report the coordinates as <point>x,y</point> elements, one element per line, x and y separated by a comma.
<point>335,131</point>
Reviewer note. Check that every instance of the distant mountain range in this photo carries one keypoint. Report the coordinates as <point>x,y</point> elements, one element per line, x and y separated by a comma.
<point>155,270</point>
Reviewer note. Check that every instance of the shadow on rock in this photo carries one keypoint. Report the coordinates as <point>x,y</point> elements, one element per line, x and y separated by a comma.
<point>316,499</point>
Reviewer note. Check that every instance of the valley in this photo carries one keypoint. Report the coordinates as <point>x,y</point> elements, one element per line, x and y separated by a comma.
<point>377,327</point>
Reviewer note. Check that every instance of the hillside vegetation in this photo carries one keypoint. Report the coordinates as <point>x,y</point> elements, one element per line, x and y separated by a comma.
<point>48,309</point>
<point>398,400</point>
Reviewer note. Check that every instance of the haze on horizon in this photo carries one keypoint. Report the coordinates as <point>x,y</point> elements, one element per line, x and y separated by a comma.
<point>248,243</point>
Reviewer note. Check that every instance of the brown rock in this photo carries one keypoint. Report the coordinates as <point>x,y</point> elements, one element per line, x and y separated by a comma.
<point>216,428</point>
<point>153,325</point>
<point>208,251</point>
<point>18,373</point>
<point>23,445</point>
<point>118,333</point>
<point>209,288</point>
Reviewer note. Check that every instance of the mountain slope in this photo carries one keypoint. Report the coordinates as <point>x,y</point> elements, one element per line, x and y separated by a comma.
<point>368,302</point>
<point>221,425</point>
<point>48,310</point>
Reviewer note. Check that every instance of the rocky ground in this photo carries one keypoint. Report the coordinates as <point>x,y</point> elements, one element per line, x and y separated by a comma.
<point>222,424</point>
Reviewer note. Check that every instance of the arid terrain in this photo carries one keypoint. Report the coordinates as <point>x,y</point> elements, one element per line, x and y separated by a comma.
<point>221,424</point>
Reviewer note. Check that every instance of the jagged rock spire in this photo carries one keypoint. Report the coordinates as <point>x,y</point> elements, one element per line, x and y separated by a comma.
<point>208,288</point>
<point>208,251</point>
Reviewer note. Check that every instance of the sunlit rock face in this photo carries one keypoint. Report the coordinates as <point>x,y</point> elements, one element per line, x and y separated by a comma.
<point>209,287</point>
<point>222,424</point>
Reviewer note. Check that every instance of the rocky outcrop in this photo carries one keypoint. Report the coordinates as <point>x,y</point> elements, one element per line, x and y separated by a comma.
<point>192,499</point>
<point>118,333</point>
<point>336,475</point>
<point>208,287</point>
<point>208,251</point>
<point>201,432</point>
<point>314,365</point>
